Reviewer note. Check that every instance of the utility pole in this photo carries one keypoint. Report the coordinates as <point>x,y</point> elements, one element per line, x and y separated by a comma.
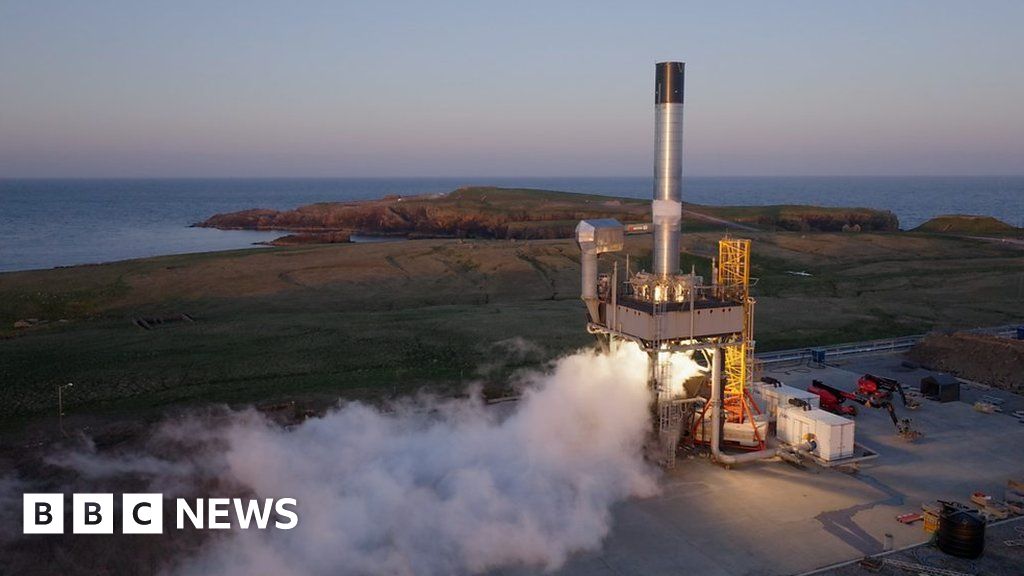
<point>60,405</point>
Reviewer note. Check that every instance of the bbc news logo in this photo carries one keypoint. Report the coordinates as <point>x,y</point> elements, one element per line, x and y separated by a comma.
<point>144,513</point>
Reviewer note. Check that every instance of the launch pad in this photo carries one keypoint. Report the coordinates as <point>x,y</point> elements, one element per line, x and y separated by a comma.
<point>770,518</point>
<point>763,519</point>
<point>670,314</point>
<point>667,312</point>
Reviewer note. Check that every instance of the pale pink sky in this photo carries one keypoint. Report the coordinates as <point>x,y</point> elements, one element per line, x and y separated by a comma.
<point>517,89</point>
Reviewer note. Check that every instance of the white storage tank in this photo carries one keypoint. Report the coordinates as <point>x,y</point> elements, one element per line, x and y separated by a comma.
<point>832,433</point>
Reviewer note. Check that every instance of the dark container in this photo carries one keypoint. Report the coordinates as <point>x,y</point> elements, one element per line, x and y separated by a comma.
<point>961,533</point>
<point>941,387</point>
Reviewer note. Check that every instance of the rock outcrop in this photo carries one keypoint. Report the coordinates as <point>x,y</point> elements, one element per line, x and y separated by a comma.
<point>483,212</point>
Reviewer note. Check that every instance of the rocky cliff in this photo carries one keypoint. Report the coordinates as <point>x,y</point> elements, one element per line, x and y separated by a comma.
<point>483,212</point>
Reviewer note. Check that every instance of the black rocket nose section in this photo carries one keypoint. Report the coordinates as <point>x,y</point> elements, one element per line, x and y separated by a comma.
<point>668,82</point>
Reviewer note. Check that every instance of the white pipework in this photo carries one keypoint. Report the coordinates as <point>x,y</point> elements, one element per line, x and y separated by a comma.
<point>595,237</point>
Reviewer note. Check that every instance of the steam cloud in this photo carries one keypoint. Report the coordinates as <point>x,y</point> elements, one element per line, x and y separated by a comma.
<point>453,487</point>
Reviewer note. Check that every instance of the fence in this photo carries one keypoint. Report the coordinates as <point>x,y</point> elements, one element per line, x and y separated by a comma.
<point>868,346</point>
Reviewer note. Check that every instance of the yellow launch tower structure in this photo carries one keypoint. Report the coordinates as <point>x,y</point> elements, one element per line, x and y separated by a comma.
<point>733,278</point>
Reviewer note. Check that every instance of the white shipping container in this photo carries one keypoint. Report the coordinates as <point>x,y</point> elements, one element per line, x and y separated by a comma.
<point>832,433</point>
<point>791,429</point>
<point>770,397</point>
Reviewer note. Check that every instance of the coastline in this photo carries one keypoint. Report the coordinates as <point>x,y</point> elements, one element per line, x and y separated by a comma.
<point>55,222</point>
<point>523,214</point>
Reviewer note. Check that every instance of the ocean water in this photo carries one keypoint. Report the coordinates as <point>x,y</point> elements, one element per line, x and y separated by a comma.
<point>48,223</point>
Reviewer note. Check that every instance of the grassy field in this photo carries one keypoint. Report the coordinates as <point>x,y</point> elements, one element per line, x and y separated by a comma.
<point>366,320</point>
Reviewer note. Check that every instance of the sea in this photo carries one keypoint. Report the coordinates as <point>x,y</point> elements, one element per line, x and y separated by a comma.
<point>50,223</point>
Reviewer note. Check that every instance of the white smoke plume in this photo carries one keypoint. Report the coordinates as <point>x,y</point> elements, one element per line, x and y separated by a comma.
<point>429,487</point>
<point>11,490</point>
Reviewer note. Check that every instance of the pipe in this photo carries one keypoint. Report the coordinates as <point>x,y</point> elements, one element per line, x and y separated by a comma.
<point>806,447</point>
<point>690,400</point>
<point>667,207</point>
<point>693,303</point>
<point>588,279</point>
<point>716,402</point>
<point>716,420</point>
<point>613,322</point>
<point>746,457</point>
<point>588,271</point>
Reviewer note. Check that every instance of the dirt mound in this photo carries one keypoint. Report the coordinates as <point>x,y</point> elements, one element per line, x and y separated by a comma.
<point>987,359</point>
<point>966,224</point>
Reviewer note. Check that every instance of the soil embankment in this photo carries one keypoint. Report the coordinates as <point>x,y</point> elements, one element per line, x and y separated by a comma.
<point>968,225</point>
<point>995,361</point>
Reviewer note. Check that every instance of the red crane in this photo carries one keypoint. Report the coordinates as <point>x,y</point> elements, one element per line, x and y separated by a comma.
<point>834,400</point>
<point>883,389</point>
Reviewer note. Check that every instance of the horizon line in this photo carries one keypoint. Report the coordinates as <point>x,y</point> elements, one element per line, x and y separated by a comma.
<point>505,177</point>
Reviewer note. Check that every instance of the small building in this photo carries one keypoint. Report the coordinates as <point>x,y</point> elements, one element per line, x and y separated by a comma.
<point>941,387</point>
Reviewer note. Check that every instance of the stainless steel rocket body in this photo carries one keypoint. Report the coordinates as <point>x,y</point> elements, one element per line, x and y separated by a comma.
<point>667,205</point>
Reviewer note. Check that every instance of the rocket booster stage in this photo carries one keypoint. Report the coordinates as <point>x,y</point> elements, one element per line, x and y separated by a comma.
<point>667,207</point>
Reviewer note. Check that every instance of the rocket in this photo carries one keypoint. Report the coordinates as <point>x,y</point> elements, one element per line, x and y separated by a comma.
<point>667,206</point>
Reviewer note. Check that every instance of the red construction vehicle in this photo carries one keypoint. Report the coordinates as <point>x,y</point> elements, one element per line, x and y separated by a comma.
<point>833,400</point>
<point>880,388</point>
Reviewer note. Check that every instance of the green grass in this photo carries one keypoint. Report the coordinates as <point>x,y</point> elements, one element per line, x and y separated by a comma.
<point>969,226</point>
<point>515,197</point>
<point>365,321</point>
<point>804,218</point>
<point>231,354</point>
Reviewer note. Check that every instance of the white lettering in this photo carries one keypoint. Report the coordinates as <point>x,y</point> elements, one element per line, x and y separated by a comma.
<point>253,510</point>
<point>218,508</point>
<point>196,517</point>
<point>291,515</point>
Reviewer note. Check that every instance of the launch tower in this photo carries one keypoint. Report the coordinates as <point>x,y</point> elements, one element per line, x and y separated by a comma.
<point>666,311</point>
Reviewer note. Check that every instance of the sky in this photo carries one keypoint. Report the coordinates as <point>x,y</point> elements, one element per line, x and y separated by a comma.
<point>439,88</point>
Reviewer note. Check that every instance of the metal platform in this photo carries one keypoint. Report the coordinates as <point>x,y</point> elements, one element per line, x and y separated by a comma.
<point>647,306</point>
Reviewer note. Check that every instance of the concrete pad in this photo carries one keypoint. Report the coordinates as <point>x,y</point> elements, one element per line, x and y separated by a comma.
<point>773,518</point>
<point>997,560</point>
